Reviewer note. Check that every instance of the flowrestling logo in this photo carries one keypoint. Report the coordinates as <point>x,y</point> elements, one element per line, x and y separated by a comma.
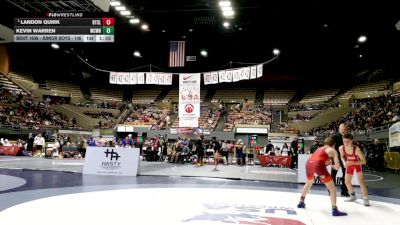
<point>112,162</point>
<point>246,214</point>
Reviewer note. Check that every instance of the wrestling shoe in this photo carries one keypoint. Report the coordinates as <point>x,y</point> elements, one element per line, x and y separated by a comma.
<point>352,198</point>
<point>301,205</point>
<point>366,202</point>
<point>336,212</point>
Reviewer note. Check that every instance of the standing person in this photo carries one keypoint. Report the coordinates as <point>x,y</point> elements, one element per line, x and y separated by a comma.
<point>217,152</point>
<point>315,146</point>
<point>239,150</point>
<point>225,151</point>
<point>39,144</point>
<point>91,142</point>
<point>353,159</point>
<point>200,150</point>
<point>295,148</point>
<point>270,147</point>
<point>81,146</point>
<point>376,156</point>
<point>343,129</point>
<point>29,146</point>
<point>316,164</point>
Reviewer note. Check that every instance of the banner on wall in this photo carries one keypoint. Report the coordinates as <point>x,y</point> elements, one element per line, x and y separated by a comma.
<point>214,76</point>
<point>189,99</point>
<point>394,135</point>
<point>140,78</point>
<point>125,78</point>
<point>259,70</point>
<point>253,72</point>
<point>207,78</point>
<point>231,75</point>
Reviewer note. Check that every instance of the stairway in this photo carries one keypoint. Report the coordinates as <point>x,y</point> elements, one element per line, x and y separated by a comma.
<point>163,93</point>
<point>259,95</point>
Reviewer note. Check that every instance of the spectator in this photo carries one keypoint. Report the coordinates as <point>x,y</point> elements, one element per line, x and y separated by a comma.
<point>375,156</point>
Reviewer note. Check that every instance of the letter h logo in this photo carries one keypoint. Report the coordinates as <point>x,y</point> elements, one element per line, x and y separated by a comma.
<point>113,154</point>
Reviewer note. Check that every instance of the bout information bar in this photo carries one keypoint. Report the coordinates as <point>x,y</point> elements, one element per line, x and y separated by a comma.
<point>64,29</point>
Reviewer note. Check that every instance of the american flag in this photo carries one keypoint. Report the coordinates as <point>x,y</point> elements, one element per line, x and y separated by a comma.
<point>177,54</point>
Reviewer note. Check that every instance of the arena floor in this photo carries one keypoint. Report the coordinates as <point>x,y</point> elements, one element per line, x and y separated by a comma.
<point>42,191</point>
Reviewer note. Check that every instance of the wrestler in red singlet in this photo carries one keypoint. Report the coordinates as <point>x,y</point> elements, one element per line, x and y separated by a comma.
<point>352,158</point>
<point>316,164</point>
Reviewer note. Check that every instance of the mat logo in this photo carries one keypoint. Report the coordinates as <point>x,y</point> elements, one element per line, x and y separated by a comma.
<point>111,165</point>
<point>246,214</point>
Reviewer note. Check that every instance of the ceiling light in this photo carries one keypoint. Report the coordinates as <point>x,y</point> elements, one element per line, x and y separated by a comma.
<point>226,24</point>
<point>55,46</point>
<point>362,39</point>
<point>276,51</point>
<point>126,12</point>
<point>224,3</point>
<point>134,21</point>
<point>190,30</point>
<point>137,54</point>
<point>120,8</point>
<point>228,13</point>
<point>226,8</point>
<point>203,53</point>
<point>360,56</point>
<point>163,31</point>
<point>115,3</point>
<point>144,27</point>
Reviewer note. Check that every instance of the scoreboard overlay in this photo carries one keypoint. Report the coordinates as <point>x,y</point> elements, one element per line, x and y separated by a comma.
<point>64,29</point>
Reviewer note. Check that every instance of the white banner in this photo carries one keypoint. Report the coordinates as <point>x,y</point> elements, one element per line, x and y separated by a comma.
<point>113,77</point>
<point>253,72</point>
<point>164,78</point>
<point>189,96</point>
<point>241,72</point>
<point>156,78</point>
<point>188,122</point>
<point>222,76</point>
<point>214,76</point>
<point>140,78</point>
<point>149,78</point>
<point>161,78</point>
<point>301,172</point>
<point>207,78</point>
<point>236,75</point>
<point>247,73</point>
<point>168,79</point>
<point>112,161</point>
<point>259,70</point>
<point>394,135</point>
<point>120,78</point>
<point>126,78</point>
<point>229,75</point>
<point>133,78</point>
